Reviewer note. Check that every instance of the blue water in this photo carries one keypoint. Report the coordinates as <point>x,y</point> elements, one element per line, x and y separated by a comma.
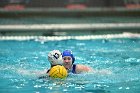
<point>19,59</point>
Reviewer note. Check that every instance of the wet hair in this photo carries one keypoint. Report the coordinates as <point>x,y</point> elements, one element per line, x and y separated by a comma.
<point>68,53</point>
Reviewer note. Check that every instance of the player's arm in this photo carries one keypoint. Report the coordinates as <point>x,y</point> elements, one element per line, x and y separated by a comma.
<point>83,68</point>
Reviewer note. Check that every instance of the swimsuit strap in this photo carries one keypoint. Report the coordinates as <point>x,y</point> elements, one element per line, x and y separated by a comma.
<point>48,71</point>
<point>74,68</point>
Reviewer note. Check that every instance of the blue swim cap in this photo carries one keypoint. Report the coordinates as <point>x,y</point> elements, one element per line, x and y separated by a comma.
<point>68,53</point>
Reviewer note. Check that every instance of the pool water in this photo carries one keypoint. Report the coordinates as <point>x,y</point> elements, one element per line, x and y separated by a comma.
<point>121,56</point>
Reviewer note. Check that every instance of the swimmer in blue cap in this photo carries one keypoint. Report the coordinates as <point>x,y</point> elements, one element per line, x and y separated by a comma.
<point>68,62</point>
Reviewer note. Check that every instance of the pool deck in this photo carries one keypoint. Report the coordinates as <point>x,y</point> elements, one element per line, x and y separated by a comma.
<point>49,29</point>
<point>113,11</point>
<point>88,26</point>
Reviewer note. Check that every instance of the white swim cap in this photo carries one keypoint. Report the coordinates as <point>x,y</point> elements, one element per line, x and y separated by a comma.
<point>55,57</point>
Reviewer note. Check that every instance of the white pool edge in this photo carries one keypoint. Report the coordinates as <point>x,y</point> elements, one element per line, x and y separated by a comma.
<point>87,37</point>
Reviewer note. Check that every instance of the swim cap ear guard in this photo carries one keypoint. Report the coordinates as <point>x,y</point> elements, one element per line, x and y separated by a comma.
<point>68,53</point>
<point>55,57</point>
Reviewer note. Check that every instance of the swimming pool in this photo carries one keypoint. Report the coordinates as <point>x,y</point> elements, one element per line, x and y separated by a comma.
<point>120,55</point>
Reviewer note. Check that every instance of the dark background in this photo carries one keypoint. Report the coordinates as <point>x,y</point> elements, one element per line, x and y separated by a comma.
<point>64,3</point>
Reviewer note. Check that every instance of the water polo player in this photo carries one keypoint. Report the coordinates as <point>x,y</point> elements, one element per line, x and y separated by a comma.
<point>68,63</point>
<point>55,58</point>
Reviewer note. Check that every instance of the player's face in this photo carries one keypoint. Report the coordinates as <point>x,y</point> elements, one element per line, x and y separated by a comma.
<point>67,62</point>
